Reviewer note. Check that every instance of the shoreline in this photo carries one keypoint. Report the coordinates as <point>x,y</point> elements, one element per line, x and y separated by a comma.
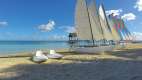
<point>30,53</point>
<point>66,50</point>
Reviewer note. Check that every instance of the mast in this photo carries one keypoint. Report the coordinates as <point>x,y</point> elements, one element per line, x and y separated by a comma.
<point>106,18</point>
<point>104,24</point>
<point>90,24</point>
<point>94,20</point>
<point>82,21</point>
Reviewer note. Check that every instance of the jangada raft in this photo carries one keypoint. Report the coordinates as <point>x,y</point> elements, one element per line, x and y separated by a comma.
<point>96,32</point>
<point>54,55</point>
<point>39,57</point>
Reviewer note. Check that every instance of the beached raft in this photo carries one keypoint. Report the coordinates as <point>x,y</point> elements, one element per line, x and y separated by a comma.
<point>54,55</point>
<point>39,57</point>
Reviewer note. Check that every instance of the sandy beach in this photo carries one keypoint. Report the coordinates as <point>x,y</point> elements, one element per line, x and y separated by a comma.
<point>120,64</point>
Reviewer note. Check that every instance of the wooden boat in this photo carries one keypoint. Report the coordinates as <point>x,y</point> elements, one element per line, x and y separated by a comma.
<point>92,26</point>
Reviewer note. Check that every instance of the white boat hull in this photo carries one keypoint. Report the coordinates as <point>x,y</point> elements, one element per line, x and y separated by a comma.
<point>94,49</point>
<point>54,56</point>
<point>39,59</point>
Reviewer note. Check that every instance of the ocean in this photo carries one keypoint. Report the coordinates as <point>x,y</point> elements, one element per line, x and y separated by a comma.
<point>14,47</point>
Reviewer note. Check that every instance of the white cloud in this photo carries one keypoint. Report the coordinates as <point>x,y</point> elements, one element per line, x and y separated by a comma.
<point>47,27</point>
<point>116,12</point>
<point>3,23</point>
<point>137,35</point>
<point>129,16</point>
<point>138,5</point>
<point>68,29</point>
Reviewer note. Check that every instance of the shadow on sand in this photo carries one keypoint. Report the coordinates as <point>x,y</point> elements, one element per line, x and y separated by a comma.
<point>106,69</point>
<point>128,53</point>
<point>98,70</point>
<point>132,54</point>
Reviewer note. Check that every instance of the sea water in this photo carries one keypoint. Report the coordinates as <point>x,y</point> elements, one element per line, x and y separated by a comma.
<point>12,47</point>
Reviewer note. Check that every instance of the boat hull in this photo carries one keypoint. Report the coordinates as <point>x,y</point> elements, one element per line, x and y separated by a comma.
<point>55,56</point>
<point>94,49</point>
<point>39,59</point>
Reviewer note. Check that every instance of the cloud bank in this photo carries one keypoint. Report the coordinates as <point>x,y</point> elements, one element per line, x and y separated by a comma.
<point>59,37</point>
<point>116,12</point>
<point>47,27</point>
<point>137,35</point>
<point>138,5</point>
<point>68,29</point>
<point>129,16</point>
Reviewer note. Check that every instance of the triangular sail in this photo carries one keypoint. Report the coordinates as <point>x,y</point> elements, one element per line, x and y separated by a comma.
<point>82,21</point>
<point>113,25</point>
<point>104,23</point>
<point>125,30</point>
<point>121,29</point>
<point>95,23</point>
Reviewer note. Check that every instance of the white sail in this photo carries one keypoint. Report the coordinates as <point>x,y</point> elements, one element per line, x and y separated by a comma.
<point>82,21</point>
<point>89,27</point>
<point>104,24</point>
<point>95,23</point>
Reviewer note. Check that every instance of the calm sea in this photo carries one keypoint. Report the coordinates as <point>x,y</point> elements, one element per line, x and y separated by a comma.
<point>12,47</point>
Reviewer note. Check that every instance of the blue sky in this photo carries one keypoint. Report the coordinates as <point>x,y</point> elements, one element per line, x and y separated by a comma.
<point>26,19</point>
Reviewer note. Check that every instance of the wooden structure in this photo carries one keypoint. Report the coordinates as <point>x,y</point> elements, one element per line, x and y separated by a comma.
<point>72,37</point>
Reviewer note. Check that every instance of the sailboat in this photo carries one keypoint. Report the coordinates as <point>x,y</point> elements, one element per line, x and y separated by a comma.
<point>119,29</point>
<point>92,27</point>
<point>113,25</point>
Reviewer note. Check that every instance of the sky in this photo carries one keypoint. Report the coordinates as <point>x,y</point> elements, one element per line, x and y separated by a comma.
<point>54,19</point>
